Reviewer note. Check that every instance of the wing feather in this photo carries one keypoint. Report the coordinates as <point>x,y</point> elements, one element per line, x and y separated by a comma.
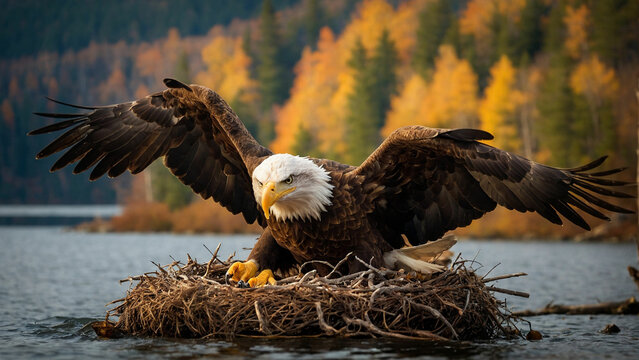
<point>437,180</point>
<point>204,143</point>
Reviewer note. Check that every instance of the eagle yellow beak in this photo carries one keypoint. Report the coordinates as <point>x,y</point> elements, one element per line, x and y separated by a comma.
<point>270,194</point>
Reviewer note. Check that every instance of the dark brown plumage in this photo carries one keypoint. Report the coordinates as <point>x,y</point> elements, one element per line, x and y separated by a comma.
<point>420,183</point>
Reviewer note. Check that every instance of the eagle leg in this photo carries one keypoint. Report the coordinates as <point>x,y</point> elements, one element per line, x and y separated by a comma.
<point>241,272</point>
<point>265,277</point>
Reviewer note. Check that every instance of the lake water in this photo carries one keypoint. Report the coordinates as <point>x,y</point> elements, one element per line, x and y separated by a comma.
<point>54,282</point>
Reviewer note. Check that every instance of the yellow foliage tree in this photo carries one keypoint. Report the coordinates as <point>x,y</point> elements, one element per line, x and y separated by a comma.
<point>594,79</point>
<point>497,109</point>
<point>227,68</point>
<point>577,24</point>
<point>407,108</point>
<point>450,100</point>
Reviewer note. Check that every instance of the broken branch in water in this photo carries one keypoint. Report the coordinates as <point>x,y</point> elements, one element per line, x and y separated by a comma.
<point>626,307</point>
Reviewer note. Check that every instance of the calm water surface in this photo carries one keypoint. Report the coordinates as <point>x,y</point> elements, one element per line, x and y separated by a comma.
<point>53,282</point>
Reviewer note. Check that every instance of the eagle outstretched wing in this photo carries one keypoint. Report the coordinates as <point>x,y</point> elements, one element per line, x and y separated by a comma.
<point>435,180</point>
<point>202,141</point>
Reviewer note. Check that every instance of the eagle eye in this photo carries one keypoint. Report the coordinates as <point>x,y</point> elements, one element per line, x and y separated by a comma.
<point>289,179</point>
<point>259,183</point>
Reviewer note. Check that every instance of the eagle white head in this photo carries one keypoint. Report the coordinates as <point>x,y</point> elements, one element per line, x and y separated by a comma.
<point>291,187</point>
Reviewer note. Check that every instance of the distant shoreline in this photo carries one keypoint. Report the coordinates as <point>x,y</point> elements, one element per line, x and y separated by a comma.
<point>74,211</point>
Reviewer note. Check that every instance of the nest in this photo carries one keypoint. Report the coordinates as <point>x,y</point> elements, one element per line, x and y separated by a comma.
<point>192,300</point>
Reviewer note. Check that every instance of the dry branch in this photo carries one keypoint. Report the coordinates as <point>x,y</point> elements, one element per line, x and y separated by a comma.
<point>626,307</point>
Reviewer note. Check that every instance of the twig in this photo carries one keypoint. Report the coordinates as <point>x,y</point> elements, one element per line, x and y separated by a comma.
<point>339,264</point>
<point>501,277</point>
<point>438,315</point>
<point>467,302</point>
<point>491,269</point>
<point>509,292</point>
<point>316,262</point>
<point>307,275</point>
<point>263,322</point>
<point>213,258</point>
<point>323,325</point>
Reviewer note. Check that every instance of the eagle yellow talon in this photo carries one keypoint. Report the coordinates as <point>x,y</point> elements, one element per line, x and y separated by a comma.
<point>265,277</point>
<point>242,271</point>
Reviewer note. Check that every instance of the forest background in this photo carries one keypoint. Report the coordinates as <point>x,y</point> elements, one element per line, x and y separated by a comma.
<point>553,80</point>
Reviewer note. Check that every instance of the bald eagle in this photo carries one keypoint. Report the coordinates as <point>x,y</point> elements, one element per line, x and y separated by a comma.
<point>417,185</point>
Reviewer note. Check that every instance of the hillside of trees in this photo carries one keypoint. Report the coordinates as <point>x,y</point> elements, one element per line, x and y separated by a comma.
<point>553,80</point>
<point>32,26</point>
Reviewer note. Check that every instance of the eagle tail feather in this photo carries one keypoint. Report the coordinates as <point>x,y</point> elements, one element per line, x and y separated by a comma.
<point>419,258</point>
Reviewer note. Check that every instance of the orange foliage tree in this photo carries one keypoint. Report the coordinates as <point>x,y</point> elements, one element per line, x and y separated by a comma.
<point>227,68</point>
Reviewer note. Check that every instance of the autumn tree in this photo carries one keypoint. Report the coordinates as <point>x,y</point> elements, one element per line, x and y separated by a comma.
<point>497,109</point>
<point>577,22</point>
<point>408,107</point>
<point>448,100</point>
<point>452,97</point>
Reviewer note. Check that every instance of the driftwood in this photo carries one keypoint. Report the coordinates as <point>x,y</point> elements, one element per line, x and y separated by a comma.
<point>626,307</point>
<point>192,300</point>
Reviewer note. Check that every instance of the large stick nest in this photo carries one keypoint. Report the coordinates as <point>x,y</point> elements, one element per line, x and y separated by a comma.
<point>193,301</point>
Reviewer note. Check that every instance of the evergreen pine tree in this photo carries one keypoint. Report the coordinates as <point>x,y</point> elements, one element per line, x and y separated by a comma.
<point>504,38</point>
<point>375,83</point>
<point>271,74</point>
<point>382,72</point>
<point>273,79</point>
<point>556,100</point>
<point>305,144</point>
<point>247,47</point>
<point>434,22</point>
<point>313,22</point>
<point>615,29</point>
<point>183,70</point>
<point>362,133</point>
<point>530,30</point>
